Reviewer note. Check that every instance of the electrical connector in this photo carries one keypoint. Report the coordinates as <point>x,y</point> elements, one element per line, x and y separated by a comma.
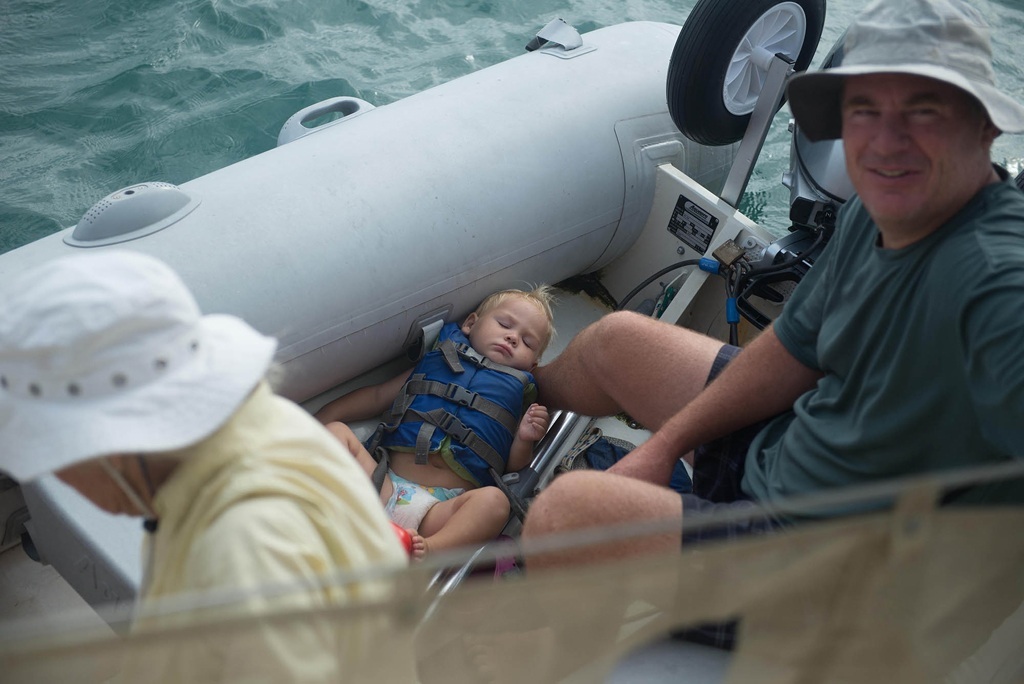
<point>728,253</point>
<point>710,265</point>
<point>732,313</point>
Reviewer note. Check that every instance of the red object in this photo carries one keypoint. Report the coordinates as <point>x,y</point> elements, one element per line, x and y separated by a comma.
<point>404,537</point>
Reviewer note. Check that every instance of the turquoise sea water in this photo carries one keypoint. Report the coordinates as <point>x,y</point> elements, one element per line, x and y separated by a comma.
<point>95,96</point>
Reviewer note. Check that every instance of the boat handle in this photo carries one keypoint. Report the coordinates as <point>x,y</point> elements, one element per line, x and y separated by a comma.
<point>295,128</point>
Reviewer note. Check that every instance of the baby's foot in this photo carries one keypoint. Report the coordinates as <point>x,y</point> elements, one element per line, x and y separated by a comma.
<point>404,537</point>
<point>419,546</point>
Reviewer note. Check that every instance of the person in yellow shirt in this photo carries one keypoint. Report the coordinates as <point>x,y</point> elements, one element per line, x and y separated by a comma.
<point>111,378</point>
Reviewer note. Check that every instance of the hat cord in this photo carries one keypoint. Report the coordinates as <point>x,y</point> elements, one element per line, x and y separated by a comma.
<point>128,490</point>
<point>150,523</point>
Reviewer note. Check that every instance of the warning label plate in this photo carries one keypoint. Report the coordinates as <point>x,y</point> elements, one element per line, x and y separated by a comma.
<point>692,225</point>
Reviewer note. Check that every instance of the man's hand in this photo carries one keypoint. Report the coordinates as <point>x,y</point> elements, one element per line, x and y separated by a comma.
<point>534,423</point>
<point>647,464</point>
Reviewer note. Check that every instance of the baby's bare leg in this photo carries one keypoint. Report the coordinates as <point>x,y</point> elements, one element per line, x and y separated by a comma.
<point>474,517</point>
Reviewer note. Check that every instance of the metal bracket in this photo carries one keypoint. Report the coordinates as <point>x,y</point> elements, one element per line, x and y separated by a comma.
<point>779,70</point>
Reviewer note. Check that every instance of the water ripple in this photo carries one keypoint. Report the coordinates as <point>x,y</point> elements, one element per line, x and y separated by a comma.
<point>98,95</point>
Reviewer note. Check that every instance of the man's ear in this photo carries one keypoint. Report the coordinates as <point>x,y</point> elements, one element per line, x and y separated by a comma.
<point>467,324</point>
<point>990,133</point>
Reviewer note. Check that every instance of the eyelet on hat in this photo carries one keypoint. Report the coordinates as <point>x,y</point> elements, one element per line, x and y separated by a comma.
<point>131,372</point>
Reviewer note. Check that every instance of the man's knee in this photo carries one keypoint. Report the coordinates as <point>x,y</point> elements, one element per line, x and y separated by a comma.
<point>610,342</point>
<point>618,326</point>
<point>565,503</point>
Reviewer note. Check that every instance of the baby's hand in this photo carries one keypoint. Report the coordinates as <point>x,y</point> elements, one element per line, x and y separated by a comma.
<point>534,423</point>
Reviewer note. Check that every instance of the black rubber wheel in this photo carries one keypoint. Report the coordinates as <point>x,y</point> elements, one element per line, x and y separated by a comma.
<point>712,82</point>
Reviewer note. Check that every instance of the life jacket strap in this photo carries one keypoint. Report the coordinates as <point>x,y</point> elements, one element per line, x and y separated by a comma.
<point>458,431</point>
<point>451,356</point>
<point>380,454</point>
<point>463,397</point>
<point>479,359</point>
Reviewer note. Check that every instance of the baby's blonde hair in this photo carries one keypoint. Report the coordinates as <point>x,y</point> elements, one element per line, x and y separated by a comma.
<point>541,295</point>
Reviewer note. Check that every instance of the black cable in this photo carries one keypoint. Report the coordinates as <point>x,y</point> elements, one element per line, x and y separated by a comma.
<point>782,266</point>
<point>732,279</point>
<point>680,264</point>
<point>755,273</point>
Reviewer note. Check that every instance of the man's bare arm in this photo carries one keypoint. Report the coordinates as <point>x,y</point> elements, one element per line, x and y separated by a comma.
<point>762,381</point>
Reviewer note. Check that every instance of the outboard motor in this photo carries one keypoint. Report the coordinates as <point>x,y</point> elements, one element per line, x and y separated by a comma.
<point>818,185</point>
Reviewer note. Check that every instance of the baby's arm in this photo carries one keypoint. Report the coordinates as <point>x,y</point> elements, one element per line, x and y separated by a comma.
<point>363,403</point>
<point>531,428</point>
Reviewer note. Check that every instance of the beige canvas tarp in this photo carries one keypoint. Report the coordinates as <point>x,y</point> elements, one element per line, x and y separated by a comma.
<point>915,594</point>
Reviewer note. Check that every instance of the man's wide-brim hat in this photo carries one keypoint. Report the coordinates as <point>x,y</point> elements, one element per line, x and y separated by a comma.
<point>946,40</point>
<point>108,353</point>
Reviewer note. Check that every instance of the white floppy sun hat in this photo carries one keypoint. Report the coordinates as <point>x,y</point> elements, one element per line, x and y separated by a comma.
<point>946,40</point>
<point>108,353</point>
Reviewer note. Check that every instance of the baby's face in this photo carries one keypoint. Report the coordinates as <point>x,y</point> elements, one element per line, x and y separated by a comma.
<point>513,333</point>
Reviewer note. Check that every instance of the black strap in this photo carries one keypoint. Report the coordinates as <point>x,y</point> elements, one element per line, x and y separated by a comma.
<point>381,456</point>
<point>517,504</point>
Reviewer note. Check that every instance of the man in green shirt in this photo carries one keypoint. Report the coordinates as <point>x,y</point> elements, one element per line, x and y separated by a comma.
<point>896,355</point>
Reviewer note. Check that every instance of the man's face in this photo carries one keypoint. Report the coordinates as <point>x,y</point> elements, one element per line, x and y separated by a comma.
<point>90,480</point>
<point>917,150</point>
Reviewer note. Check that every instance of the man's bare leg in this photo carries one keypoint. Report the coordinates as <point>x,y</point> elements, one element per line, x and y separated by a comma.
<point>591,499</point>
<point>648,368</point>
<point>628,362</point>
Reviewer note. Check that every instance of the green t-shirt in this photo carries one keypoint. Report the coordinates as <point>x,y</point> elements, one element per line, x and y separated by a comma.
<point>921,349</point>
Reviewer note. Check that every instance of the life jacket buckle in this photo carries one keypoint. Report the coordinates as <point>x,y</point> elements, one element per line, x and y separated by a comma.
<point>454,427</point>
<point>460,395</point>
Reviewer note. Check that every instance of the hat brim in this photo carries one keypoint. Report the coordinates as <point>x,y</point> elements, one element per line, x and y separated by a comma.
<point>815,98</point>
<point>181,409</point>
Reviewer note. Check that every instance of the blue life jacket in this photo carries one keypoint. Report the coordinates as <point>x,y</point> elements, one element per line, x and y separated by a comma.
<point>461,405</point>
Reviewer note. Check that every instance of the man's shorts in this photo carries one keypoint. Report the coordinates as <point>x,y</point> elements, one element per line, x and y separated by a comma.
<point>717,472</point>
